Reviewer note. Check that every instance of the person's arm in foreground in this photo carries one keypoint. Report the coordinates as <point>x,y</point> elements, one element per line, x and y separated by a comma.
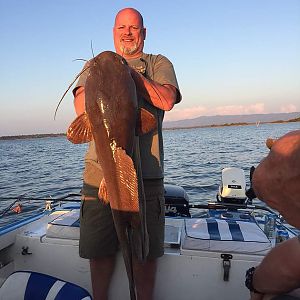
<point>279,272</point>
<point>276,180</point>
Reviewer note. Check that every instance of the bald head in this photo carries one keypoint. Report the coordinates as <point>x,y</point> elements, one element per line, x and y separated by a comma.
<point>129,33</point>
<point>130,11</point>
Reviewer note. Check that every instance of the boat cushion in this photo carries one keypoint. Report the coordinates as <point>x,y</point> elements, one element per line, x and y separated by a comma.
<point>27,285</point>
<point>66,226</point>
<point>224,235</point>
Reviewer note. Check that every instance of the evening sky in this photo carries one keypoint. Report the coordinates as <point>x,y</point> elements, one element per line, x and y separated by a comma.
<point>230,56</point>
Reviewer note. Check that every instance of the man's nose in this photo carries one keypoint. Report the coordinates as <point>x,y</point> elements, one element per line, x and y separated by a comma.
<point>128,30</point>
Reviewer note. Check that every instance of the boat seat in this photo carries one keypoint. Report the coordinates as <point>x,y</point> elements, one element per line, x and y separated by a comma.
<point>211,234</point>
<point>25,285</point>
<point>65,226</point>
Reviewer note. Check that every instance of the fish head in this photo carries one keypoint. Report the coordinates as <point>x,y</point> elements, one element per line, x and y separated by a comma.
<point>111,100</point>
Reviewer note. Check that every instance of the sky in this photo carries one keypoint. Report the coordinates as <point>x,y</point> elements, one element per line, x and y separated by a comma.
<point>230,56</point>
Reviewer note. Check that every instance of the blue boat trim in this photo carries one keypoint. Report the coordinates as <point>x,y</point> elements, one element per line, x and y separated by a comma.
<point>40,286</point>
<point>235,231</point>
<point>18,224</point>
<point>213,230</point>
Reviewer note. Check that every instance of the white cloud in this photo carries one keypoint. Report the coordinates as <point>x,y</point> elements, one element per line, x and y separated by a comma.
<point>185,113</point>
<point>286,108</point>
<point>197,111</point>
<point>257,108</point>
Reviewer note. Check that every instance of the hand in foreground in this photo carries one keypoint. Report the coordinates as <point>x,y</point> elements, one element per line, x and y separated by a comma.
<point>276,180</point>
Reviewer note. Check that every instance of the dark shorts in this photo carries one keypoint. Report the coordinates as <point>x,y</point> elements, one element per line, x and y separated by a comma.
<point>98,237</point>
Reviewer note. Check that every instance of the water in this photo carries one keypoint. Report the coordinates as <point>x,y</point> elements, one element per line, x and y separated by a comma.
<point>194,159</point>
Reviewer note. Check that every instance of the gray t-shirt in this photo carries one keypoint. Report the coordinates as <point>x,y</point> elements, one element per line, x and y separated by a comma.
<point>159,69</point>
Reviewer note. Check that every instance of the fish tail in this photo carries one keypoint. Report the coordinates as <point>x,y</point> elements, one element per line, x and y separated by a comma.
<point>125,236</point>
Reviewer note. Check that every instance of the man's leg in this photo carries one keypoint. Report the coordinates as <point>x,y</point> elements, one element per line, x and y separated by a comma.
<point>101,273</point>
<point>144,276</point>
<point>98,243</point>
<point>144,273</point>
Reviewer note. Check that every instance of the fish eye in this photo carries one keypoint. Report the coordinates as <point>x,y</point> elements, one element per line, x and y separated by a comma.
<point>123,61</point>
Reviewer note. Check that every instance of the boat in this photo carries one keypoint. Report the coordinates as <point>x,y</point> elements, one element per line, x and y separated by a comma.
<point>207,252</point>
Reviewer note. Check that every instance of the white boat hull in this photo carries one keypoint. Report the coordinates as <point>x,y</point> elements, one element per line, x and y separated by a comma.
<point>182,273</point>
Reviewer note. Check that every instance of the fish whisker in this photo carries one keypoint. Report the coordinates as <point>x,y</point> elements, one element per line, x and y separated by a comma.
<point>92,49</point>
<point>80,59</point>
<point>61,99</point>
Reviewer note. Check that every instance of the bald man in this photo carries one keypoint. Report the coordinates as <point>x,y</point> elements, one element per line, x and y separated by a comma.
<point>158,91</point>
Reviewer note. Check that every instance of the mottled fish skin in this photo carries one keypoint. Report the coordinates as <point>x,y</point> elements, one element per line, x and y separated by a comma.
<point>112,109</point>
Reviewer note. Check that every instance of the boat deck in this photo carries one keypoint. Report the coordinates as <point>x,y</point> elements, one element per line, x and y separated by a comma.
<point>192,267</point>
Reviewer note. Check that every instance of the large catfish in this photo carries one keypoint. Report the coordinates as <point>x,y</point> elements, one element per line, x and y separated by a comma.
<point>114,120</point>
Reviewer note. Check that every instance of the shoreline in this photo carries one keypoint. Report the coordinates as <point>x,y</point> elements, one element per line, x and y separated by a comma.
<point>235,124</point>
<point>30,136</point>
<point>45,135</point>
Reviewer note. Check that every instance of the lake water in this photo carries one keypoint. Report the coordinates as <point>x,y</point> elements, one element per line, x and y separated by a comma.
<point>194,159</point>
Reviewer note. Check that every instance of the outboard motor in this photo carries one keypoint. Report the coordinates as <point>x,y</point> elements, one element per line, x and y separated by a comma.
<point>233,186</point>
<point>177,201</point>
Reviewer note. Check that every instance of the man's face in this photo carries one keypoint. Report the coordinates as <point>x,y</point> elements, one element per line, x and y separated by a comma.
<point>129,34</point>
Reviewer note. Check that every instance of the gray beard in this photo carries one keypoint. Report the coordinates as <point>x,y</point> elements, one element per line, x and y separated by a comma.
<point>128,50</point>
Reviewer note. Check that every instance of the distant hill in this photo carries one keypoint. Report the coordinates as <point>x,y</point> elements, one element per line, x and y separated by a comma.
<point>204,121</point>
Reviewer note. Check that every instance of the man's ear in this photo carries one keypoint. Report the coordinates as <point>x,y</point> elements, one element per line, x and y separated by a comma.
<point>144,31</point>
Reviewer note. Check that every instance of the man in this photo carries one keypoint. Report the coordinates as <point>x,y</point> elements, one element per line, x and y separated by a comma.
<point>157,91</point>
<point>276,181</point>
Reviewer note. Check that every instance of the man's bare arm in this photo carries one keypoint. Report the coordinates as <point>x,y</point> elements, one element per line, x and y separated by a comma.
<point>161,96</point>
<point>79,100</point>
<point>279,272</point>
<point>276,180</point>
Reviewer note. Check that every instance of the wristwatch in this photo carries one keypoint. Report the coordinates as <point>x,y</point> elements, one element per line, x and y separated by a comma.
<point>249,280</point>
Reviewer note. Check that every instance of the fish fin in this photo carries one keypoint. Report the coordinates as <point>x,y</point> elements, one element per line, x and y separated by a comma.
<point>146,122</point>
<point>127,183</point>
<point>80,130</point>
<point>102,194</point>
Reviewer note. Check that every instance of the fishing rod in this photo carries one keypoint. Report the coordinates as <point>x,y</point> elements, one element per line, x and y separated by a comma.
<point>209,205</point>
<point>4,211</point>
<point>19,198</point>
<point>216,205</point>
